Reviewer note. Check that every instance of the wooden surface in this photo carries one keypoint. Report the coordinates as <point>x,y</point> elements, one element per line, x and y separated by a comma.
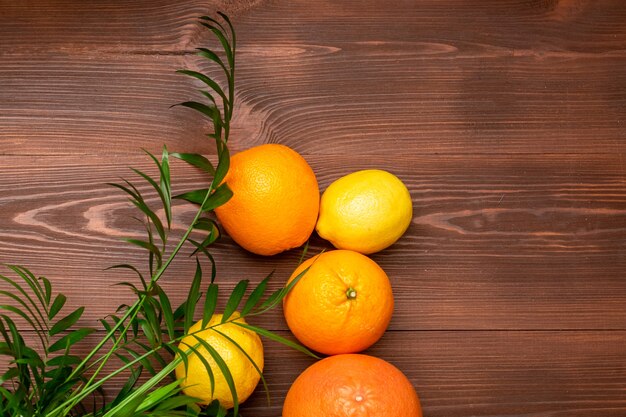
<point>506,119</point>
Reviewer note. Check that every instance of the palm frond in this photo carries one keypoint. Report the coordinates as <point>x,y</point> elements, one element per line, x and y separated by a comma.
<point>142,335</point>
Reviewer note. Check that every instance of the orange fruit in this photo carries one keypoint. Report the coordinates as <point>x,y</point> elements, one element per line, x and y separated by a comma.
<point>350,386</point>
<point>342,304</point>
<point>275,199</point>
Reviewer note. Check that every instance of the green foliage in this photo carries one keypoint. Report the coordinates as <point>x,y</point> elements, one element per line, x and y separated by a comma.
<point>49,379</point>
<point>37,377</point>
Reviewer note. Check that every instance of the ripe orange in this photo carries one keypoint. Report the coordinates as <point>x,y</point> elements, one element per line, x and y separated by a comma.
<point>275,199</point>
<point>342,304</point>
<point>349,386</point>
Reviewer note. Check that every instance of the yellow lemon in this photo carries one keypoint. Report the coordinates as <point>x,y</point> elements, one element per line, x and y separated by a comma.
<point>196,381</point>
<point>365,211</point>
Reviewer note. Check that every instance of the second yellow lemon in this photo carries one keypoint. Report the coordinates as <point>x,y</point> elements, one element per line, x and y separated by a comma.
<point>195,379</point>
<point>365,211</point>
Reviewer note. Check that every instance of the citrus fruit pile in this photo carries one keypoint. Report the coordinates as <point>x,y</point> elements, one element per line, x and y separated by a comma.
<point>276,202</point>
<point>342,302</point>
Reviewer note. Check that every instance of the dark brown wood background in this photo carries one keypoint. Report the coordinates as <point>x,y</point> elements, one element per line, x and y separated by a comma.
<point>505,118</point>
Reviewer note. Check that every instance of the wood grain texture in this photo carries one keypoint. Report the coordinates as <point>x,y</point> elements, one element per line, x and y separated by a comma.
<point>506,120</point>
<point>499,77</point>
<point>493,373</point>
<point>526,232</point>
<point>484,373</point>
<point>94,28</point>
<point>110,107</point>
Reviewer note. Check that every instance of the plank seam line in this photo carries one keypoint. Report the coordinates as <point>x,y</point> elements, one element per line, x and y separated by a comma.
<point>501,330</point>
<point>387,155</point>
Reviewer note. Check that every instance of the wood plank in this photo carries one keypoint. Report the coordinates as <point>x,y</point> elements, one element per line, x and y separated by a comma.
<point>538,25</point>
<point>488,85</point>
<point>439,76</point>
<point>158,25</point>
<point>496,242</point>
<point>55,105</point>
<point>93,27</point>
<point>492,373</point>
<point>435,106</point>
<point>484,373</point>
